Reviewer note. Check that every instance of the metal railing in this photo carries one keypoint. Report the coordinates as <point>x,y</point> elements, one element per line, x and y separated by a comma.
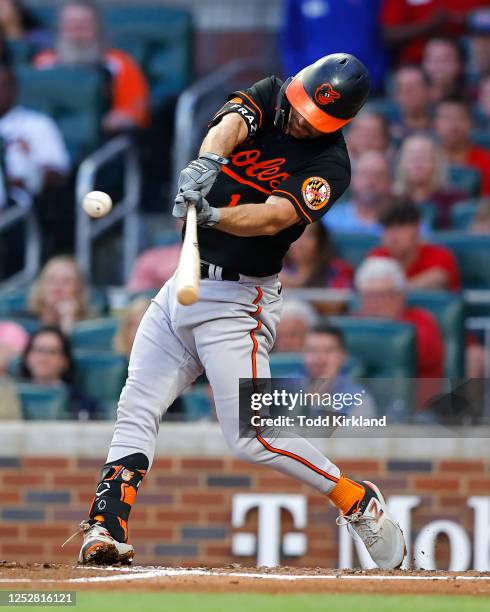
<point>23,210</point>
<point>126,211</point>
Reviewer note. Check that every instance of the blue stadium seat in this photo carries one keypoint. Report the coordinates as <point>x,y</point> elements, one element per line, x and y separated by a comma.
<point>472,252</point>
<point>13,301</point>
<point>43,403</point>
<point>95,334</point>
<point>101,375</point>
<point>462,214</point>
<point>286,365</point>
<point>466,179</point>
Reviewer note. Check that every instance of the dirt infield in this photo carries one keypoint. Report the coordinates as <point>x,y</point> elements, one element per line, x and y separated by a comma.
<point>236,579</point>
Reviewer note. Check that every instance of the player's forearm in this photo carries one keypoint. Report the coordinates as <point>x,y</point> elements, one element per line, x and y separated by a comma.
<point>255,219</point>
<point>225,136</point>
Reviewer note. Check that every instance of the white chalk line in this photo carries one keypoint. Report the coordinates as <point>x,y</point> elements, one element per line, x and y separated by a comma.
<point>145,574</point>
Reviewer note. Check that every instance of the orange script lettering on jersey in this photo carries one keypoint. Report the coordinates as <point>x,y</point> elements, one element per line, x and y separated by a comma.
<point>267,171</point>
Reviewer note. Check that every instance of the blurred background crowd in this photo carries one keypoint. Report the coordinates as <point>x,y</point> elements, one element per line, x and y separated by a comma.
<point>393,284</point>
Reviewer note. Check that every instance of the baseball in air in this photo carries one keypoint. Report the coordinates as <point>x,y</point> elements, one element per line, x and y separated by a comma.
<point>97,204</point>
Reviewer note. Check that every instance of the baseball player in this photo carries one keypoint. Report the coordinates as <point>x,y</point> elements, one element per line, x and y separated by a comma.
<point>273,160</point>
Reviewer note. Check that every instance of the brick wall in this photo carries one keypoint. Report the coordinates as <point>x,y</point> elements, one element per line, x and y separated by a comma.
<point>183,513</point>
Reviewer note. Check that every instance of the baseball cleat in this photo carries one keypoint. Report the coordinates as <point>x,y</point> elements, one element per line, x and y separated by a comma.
<point>370,520</point>
<point>100,548</point>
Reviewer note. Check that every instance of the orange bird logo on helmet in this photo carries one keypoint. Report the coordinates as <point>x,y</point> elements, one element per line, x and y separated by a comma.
<point>326,94</point>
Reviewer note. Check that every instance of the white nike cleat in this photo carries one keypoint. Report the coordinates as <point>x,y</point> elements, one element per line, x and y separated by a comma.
<point>100,548</point>
<point>380,534</point>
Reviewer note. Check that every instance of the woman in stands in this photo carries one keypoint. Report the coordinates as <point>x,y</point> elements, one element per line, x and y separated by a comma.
<point>310,262</point>
<point>47,360</point>
<point>422,177</point>
<point>59,297</point>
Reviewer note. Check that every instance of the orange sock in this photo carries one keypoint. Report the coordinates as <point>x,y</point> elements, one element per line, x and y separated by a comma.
<point>99,517</point>
<point>346,493</point>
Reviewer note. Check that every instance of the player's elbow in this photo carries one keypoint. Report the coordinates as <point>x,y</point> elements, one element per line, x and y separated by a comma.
<point>272,228</point>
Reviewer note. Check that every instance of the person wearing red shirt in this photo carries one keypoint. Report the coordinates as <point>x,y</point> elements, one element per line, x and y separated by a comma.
<point>426,266</point>
<point>453,124</point>
<point>408,24</point>
<point>381,283</point>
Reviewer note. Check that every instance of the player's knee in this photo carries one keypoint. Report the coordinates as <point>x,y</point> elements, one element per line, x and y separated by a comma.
<point>245,449</point>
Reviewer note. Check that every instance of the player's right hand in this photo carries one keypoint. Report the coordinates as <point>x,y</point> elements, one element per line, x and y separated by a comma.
<point>199,175</point>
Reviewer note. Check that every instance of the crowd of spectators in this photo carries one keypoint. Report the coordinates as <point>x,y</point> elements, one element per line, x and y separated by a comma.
<point>420,151</point>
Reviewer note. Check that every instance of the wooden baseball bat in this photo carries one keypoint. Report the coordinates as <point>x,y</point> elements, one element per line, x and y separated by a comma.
<point>189,270</point>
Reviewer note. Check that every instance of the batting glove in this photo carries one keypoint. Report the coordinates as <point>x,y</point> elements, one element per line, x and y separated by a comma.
<point>201,173</point>
<point>207,215</point>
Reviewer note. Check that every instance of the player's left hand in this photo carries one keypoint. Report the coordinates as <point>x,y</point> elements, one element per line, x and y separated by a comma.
<point>207,215</point>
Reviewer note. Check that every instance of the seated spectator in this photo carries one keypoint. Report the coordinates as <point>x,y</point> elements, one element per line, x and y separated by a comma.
<point>154,267</point>
<point>325,358</point>
<point>34,152</point>
<point>412,96</point>
<point>453,123</point>
<point>483,104</point>
<point>426,266</point>
<point>422,177</point>
<point>479,43</point>
<point>371,194</point>
<point>19,23</point>
<point>352,28</point>
<point>481,220</point>
<point>310,262</point>
<point>47,360</point>
<point>443,62</point>
<point>369,132</point>
<point>81,42</point>
<point>13,340</point>
<point>59,297</point>
<point>408,24</point>
<point>381,284</point>
<point>131,318</point>
<point>296,319</point>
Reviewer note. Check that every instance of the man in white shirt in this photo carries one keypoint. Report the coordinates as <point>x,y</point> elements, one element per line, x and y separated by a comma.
<point>34,156</point>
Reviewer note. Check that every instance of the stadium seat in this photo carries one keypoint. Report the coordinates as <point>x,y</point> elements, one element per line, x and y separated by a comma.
<point>166,34</point>
<point>353,247</point>
<point>20,52</point>
<point>13,302</point>
<point>481,138</point>
<point>472,252</point>
<point>45,14</point>
<point>102,376</point>
<point>466,179</point>
<point>462,214</point>
<point>448,309</point>
<point>75,97</point>
<point>197,406</point>
<point>388,352</point>
<point>42,403</point>
<point>30,325</point>
<point>286,365</point>
<point>95,334</point>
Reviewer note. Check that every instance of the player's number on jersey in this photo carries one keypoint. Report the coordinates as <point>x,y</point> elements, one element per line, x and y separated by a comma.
<point>235,198</point>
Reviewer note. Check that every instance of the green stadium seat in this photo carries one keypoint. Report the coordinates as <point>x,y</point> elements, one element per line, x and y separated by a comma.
<point>388,352</point>
<point>197,406</point>
<point>76,98</point>
<point>286,365</point>
<point>353,247</point>
<point>160,39</point>
<point>472,252</point>
<point>467,179</point>
<point>448,309</point>
<point>95,334</point>
<point>101,375</point>
<point>462,214</point>
<point>42,403</point>
<point>30,325</point>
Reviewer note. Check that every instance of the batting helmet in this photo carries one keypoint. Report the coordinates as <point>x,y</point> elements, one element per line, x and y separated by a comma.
<point>328,93</point>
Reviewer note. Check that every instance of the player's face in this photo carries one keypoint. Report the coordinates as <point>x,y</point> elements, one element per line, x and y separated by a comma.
<point>298,127</point>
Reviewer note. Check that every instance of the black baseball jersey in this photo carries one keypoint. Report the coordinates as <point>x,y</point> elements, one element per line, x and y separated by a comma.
<point>310,173</point>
